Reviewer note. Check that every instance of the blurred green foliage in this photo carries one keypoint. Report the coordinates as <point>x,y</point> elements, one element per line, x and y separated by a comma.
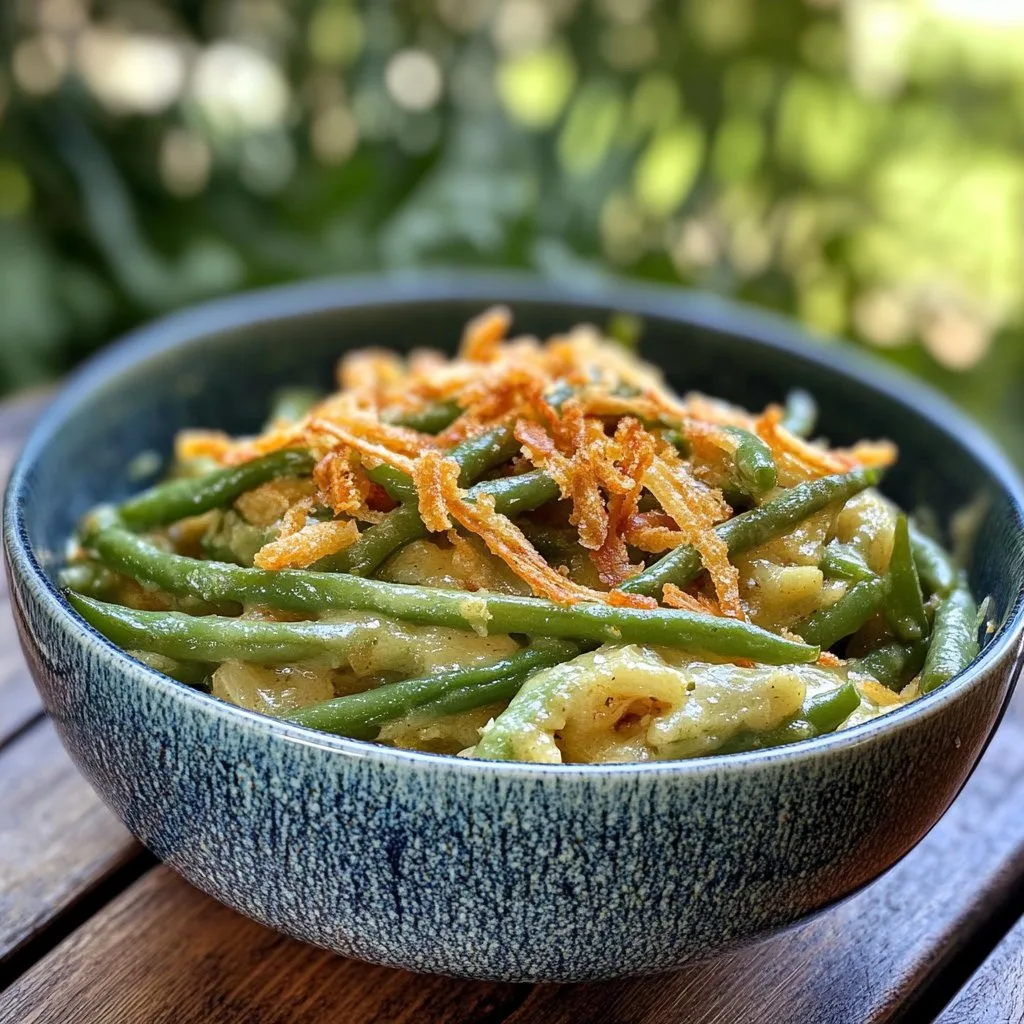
<point>856,163</point>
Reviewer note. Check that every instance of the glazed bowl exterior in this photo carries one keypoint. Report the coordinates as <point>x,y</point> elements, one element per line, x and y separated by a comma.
<point>481,869</point>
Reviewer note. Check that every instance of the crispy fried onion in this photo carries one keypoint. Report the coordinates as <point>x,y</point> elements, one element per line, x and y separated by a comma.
<point>482,338</point>
<point>587,464</point>
<point>654,532</point>
<point>301,541</point>
<point>698,603</point>
<point>372,452</point>
<point>696,509</point>
<point>797,459</point>
<point>442,502</point>
<point>636,453</point>
<point>343,486</point>
<point>370,373</point>
<point>266,504</point>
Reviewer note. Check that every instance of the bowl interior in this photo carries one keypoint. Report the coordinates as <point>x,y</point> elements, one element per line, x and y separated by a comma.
<point>217,367</point>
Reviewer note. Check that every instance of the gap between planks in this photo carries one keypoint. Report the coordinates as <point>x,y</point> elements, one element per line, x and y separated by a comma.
<point>62,853</point>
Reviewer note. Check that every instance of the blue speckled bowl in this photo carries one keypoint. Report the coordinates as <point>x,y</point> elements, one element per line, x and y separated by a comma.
<point>472,868</point>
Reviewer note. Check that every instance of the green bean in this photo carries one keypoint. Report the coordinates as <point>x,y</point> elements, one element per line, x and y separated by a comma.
<point>196,674</point>
<point>89,578</point>
<point>827,711</point>
<point>217,638</point>
<point>499,691</point>
<point>841,561</point>
<point>822,713</point>
<point>893,664</point>
<point>377,544</point>
<point>398,485</point>
<point>291,404</point>
<point>904,604</point>
<point>475,456</point>
<point>754,472</point>
<point>168,502</point>
<point>359,715</point>
<point>751,473</point>
<point>677,439</point>
<point>954,643</point>
<point>801,413</point>
<point>431,419</point>
<point>755,527</point>
<point>626,329</point>
<point>555,543</point>
<point>934,566</point>
<point>512,496</point>
<point>828,625</point>
<point>296,590</point>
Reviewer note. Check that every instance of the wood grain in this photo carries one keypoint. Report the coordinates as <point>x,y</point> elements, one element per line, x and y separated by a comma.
<point>995,993</point>
<point>19,703</point>
<point>163,952</point>
<point>57,840</point>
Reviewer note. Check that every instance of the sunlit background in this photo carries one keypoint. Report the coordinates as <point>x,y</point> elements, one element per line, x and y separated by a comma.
<point>858,164</point>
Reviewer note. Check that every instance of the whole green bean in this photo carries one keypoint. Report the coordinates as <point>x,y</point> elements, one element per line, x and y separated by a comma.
<point>168,502</point>
<point>431,419</point>
<point>821,714</point>
<point>296,590</point>
<point>904,603</point>
<point>754,472</point>
<point>893,664</point>
<point>844,562</point>
<point>359,715</point>
<point>755,527</point>
<point>934,567</point>
<point>512,496</point>
<point>954,643</point>
<point>801,413</point>
<point>216,638</point>
<point>291,404</point>
<point>829,625</point>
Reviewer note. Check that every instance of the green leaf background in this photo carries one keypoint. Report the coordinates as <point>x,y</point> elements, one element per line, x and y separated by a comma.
<point>857,164</point>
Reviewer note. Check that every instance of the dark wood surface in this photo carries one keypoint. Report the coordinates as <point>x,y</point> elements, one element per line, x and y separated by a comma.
<point>91,930</point>
<point>995,994</point>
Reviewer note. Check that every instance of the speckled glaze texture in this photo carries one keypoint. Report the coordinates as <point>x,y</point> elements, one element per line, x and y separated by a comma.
<point>472,868</point>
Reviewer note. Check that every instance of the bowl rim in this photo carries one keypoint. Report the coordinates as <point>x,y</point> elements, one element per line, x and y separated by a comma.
<point>672,303</point>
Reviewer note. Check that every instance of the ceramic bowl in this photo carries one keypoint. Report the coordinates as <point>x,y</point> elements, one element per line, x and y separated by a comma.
<point>481,869</point>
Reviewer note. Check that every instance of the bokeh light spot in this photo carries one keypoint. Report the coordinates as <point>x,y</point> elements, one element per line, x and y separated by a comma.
<point>668,168</point>
<point>413,79</point>
<point>534,87</point>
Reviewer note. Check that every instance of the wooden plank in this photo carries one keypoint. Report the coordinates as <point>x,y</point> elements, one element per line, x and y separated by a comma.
<point>163,952</point>
<point>866,960</point>
<point>19,702</point>
<point>57,840</point>
<point>995,993</point>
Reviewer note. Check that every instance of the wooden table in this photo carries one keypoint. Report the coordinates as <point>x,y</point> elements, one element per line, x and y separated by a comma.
<point>92,929</point>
